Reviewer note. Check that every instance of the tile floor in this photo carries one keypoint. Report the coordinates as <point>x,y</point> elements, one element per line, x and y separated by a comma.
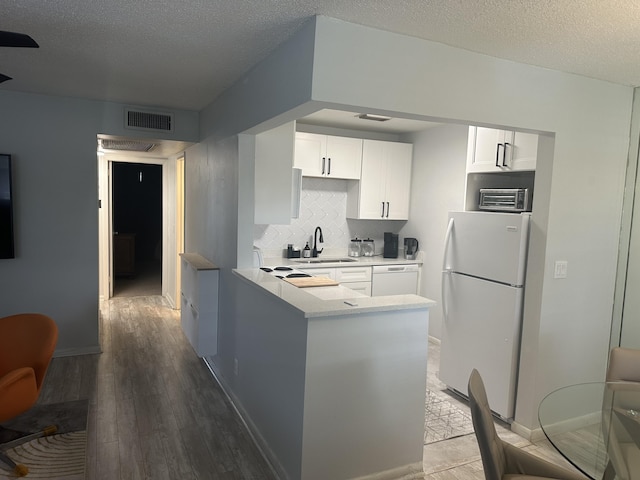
<point>459,458</point>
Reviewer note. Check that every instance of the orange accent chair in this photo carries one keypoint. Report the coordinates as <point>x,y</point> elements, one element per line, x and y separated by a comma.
<point>27,342</point>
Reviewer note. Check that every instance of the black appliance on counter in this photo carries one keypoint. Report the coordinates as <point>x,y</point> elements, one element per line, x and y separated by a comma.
<point>410,248</point>
<point>390,245</point>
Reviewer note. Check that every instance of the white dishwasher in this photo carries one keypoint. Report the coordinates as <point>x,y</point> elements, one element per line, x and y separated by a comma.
<point>394,280</point>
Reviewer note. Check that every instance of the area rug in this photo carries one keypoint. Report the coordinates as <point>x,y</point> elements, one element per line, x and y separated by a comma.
<point>61,456</point>
<point>443,419</point>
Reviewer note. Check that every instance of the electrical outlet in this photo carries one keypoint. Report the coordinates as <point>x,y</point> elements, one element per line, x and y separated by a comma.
<point>235,366</point>
<point>560,270</point>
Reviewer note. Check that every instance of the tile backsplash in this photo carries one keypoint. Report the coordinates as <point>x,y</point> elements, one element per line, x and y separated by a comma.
<point>323,203</point>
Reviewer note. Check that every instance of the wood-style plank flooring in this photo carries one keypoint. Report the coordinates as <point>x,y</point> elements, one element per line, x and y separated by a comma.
<point>157,413</point>
<point>155,410</point>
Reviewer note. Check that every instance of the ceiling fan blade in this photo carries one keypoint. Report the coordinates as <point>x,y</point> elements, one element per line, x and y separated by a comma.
<point>4,78</point>
<point>11,39</point>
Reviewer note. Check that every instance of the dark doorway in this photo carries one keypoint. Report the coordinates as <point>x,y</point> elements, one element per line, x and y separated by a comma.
<point>137,229</point>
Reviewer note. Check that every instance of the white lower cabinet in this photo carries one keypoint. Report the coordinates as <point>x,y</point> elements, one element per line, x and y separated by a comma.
<point>360,287</point>
<point>199,303</point>
<point>356,278</point>
<point>321,272</point>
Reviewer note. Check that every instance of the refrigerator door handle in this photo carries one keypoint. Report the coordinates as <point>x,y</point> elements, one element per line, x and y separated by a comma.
<point>445,279</point>
<point>447,241</point>
<point>446,271</point>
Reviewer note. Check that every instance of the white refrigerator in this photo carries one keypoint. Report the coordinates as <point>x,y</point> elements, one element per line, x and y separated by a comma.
<point>484,265</point>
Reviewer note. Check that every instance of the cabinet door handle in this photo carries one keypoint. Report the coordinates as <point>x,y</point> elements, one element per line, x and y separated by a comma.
<point>387,209</point>
<point>504,154</point>
<point>382,216</point>
<point>323,160</point>
<point>498,154</point>
<point>329,169</point>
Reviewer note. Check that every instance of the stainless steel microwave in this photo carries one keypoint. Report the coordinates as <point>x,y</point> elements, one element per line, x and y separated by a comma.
<point>505,199</point>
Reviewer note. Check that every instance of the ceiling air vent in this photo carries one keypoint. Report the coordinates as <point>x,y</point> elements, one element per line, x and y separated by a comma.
<point>141,120</point>
<point>127,145</point>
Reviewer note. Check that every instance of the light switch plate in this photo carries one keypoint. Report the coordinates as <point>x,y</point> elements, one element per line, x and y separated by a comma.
<point>560,270</point>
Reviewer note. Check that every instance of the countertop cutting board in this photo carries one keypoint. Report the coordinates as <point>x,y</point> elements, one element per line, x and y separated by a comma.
<point>304,282</point>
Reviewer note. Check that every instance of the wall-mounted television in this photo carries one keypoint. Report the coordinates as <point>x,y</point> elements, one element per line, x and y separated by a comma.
<point>6,208</point>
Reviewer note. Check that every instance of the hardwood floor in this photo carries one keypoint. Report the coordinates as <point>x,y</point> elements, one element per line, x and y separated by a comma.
<point>156,412</point>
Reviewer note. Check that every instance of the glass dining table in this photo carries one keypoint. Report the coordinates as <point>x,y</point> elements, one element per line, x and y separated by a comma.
<point>596,426</point>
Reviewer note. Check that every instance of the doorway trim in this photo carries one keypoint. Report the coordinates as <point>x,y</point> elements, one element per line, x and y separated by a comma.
<point>105,227</point>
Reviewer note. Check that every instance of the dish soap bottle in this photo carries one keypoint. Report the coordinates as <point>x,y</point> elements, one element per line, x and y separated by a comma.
<point>306,253</point>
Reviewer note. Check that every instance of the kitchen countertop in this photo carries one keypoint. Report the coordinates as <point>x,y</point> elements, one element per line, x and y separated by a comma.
<point>326,261</point>
<point>331,301</point>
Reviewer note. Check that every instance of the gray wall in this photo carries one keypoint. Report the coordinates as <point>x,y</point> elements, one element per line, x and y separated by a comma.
<point>52,141</point>
<point>437,187</point>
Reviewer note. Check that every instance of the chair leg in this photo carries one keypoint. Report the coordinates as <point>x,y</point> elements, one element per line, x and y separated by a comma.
<point>19,469</point>
<point>609,472</point>
<point>50,430</point>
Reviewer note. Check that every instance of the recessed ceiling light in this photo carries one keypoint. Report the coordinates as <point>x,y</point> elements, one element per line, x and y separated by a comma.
<point>374,117</point>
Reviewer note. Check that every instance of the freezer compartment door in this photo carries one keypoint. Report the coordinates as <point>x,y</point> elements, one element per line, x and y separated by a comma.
<point>481,330</point>
<point>489,245</point>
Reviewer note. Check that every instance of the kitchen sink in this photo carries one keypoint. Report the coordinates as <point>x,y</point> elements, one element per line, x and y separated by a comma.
<point>325,260</point>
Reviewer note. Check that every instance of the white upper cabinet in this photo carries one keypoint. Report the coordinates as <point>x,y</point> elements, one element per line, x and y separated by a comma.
<point>328,156</point>
<point>384,188</point>
<point>491,150</point>
<point>274,186</point>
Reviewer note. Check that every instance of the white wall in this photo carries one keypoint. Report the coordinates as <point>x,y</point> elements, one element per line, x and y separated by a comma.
<point>211,225</point>
<point>437,187</point>
<point>53,142</point>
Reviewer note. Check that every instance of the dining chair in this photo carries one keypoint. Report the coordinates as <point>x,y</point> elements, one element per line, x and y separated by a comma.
<point>624,365</point>
<point>500,459</point>
<point>623,373</point>
<point>27,342</point>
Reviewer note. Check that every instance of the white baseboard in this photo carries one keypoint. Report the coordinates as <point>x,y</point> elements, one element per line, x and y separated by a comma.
<point>258,440</point>
<point>406,472</point>
<point>72,352</point>
<point>533,435</point>
<point>172,302</point>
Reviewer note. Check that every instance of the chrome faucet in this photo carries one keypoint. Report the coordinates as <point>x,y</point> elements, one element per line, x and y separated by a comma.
<point>317,252</point>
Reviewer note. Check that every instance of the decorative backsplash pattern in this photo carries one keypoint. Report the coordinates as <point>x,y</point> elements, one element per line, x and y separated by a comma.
<point>323,203</point>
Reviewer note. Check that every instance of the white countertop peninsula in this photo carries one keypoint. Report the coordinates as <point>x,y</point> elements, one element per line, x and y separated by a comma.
<point>331,390</point>
<point>328,301</point>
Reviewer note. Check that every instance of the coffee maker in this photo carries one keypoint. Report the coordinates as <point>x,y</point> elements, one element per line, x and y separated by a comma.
<point>410,248</point>
<point>390,249</point>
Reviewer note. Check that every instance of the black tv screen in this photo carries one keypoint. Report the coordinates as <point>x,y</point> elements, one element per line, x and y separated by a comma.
<point>6,208</point>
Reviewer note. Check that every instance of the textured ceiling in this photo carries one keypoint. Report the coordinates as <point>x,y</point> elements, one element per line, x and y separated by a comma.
<point>183,54</point>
